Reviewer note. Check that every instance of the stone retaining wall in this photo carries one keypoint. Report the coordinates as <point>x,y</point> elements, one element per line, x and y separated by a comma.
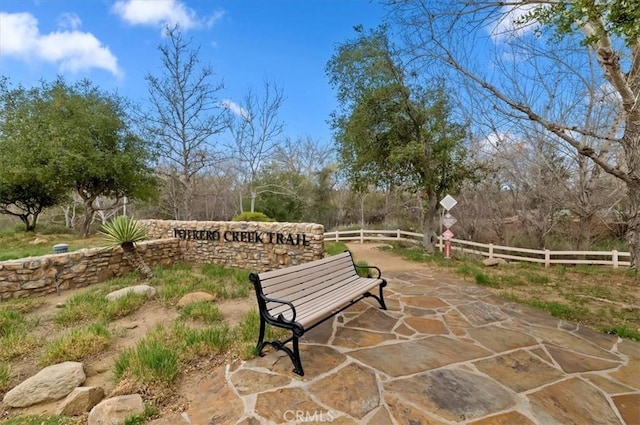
<point>50,273</point>
<point>247,245</point>
<point>256,246</point>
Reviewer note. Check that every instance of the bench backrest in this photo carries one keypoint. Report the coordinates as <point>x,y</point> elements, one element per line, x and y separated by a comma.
<point>302,281</point>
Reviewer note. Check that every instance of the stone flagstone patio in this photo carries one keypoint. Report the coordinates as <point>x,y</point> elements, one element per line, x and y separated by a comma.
<point>446,352</point>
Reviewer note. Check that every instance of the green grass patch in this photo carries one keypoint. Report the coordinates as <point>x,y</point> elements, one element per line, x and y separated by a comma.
<point>334,248</point>
<point>623,331</point>
<point>467,270</point>
<point>77,345</point>
<point>40,420</point>
<point>556,309</point>
<point>509,280</point>
<point>151,361</point>
<point>212,340</point>
<point>485,280</point>
<point>222,282</point>
<point>15,340</point>
<point>5,373</point>
<point>205,311</point>
<point>150,411</point>
<point>17,244</point>
<point>535,278</point>
<point>92,306</point>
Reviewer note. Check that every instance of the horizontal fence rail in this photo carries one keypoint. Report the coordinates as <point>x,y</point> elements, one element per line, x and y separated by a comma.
<point>612,258</point>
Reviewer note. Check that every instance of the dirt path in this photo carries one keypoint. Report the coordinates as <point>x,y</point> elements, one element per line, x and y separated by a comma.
<point>384,260</point>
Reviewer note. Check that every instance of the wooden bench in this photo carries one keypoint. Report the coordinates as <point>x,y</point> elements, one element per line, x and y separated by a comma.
<point>301,297</point>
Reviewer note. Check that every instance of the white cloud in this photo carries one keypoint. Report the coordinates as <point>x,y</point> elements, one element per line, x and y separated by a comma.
<point>72,50</point>
<point>213,19</point>
<point>156,13</point>
<point>507,25</point>
<point>235,108</point>
<point>69,21</point>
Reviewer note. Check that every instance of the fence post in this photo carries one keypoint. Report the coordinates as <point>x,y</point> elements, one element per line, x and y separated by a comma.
<point>547,258</point>
<point>440,244</point>
<point>361,236</point>
<point>337,239</point>
<point>490,250</point>
<point>398,234</point>
<point>614,258</point>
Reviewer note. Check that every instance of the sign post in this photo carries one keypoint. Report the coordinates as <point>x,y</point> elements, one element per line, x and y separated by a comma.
<point>447,221</point>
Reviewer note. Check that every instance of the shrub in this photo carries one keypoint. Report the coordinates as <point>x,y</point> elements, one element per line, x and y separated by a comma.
<point>252,216</point>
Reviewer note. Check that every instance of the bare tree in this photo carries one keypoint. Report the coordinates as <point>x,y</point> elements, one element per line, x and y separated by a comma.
<point>255,128</point>
<point>468,37</point>
<point>185,116</point>
<point>303,155</point>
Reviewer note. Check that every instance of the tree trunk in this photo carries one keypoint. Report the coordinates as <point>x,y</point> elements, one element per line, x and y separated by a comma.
<point>430,224</point>
<point>30,225</point>
<point>633,223</point>
<point>584,233</point>
<point>631,144</point>
<point>133,257</point>
<point>89,211</point>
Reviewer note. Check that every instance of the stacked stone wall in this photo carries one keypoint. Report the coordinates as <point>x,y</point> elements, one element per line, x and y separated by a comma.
<point>256,246</point>
<point>248,245</point>
<point>52,273</point>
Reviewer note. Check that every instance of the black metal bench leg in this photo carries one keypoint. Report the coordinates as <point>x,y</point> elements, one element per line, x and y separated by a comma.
<point>381,300</point>
<point>261,342</point>
<point>297,362</point>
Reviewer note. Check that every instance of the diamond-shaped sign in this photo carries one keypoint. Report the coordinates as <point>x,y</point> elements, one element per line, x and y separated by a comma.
<point>448,220</point>
<point>447,234</point>
<point>448,202</point>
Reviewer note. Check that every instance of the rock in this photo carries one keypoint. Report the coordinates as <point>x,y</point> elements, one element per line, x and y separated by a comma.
<point>80,400</point>
<point>195,297</point>
<point>137,289</point>
<point>51,383</point>
<point>116,410</point>
<point>491,262</point>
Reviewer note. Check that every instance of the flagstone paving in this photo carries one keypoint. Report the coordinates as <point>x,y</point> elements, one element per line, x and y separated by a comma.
<point>445,352</point>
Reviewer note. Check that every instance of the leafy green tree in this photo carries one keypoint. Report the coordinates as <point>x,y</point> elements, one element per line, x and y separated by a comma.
<point>100,153</point>
<point>61,137</point>
<point>30,178</point>
<point>283,193</point>
<point>391,132</point>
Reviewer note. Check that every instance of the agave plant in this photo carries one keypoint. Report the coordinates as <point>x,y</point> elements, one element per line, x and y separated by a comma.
<point>125,232</point>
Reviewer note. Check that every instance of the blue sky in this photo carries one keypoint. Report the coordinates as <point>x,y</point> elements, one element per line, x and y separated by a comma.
<point>114,44</point>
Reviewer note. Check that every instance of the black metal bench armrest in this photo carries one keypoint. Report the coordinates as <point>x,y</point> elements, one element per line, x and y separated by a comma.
<point>370,267</point>
<point>280,317</point>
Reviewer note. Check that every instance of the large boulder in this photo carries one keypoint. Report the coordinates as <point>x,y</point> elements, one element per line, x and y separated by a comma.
<point>147,290</point>
<point>492,262</point>
<point>80,401</point>
<point>115,410</point>
<point>51,383</point>
<point>195,297</point>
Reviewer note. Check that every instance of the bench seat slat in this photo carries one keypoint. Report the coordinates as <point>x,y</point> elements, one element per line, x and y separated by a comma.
<point>320,310</point>
<point>265,276</point>
<point>309,280</point>
<point>304,297</point>
<point>313,284</point>
<point>283,281</point>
